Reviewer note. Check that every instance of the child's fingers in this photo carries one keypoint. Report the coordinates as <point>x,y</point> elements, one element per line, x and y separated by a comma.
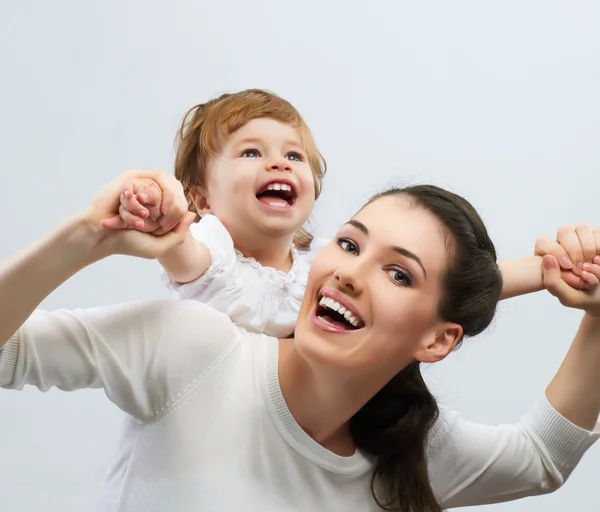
<point>130,202</point>
<point>127,188</point>
<point>131,220</point>
<point>151,196</point>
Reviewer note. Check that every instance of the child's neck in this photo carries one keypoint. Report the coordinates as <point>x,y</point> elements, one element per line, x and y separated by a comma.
<point>274,252</point>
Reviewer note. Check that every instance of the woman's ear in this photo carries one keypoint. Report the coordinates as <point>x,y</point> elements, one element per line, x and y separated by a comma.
<point>444,340</point>
<point>200,201</point>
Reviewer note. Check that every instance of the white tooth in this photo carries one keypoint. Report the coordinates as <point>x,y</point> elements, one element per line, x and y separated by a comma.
<point>277,186</point>
<point>286,187</point>
<point>353,321</point>
<point>342,310</point>
<point>334,305</point>
<point>270,187</point>
<point>323,301</point>
<point>347,314</point>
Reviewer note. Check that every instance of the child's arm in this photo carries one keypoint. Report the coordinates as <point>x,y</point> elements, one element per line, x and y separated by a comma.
<point>140,209</point>
<point>521,276</point>
<point>187,261</point>
<point>524,275</point>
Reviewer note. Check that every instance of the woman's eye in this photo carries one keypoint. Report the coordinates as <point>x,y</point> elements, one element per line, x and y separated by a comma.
<point>348,246</point>
<point>250,153</point>
<point>294,157</point>
<point>400,277</point>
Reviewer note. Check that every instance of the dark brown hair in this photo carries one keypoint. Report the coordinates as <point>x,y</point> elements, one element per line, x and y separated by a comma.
<point>198,138</point>
<point>395,424</point>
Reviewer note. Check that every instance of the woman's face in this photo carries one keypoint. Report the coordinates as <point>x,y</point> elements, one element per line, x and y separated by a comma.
<point>383,273</point>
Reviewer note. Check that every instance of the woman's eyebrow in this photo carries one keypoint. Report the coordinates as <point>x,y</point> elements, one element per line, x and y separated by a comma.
<point>358,225</point>
<point>400,250</point>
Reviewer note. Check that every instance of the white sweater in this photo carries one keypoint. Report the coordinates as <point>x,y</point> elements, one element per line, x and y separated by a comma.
<point>207,428</point>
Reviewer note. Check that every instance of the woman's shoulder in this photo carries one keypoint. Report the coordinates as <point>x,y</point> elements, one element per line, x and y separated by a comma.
<point>172,319</point>
<point>187,313</point>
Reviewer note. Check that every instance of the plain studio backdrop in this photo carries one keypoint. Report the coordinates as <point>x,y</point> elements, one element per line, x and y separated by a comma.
<point>497,101</point>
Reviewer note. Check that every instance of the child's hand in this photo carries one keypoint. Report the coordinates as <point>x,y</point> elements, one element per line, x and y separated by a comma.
<point>140,206</point>
<point>152,202</point>
<point>577,251</point>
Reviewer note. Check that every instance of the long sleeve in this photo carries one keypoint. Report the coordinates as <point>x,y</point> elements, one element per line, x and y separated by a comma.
<point>472,464</point>
<point>145,355</point>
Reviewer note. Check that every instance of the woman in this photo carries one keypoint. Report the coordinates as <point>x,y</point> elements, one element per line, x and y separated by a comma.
<point>337,418</point>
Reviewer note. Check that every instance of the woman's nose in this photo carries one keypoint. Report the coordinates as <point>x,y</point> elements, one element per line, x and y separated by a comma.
<point>350,279</point>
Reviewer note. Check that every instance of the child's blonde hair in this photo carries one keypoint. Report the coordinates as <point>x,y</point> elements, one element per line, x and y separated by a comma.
<point>203,125</point>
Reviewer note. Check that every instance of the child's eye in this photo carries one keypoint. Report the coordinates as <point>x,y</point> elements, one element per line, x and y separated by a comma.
<point>347,245</point>
<point>250,153</point>
<point>400,276</point>
<point>295,157</point>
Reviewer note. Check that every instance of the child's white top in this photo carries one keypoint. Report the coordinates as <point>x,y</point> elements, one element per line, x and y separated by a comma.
<point>260,299</point>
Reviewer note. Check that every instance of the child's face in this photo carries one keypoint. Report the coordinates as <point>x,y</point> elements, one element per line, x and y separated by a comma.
<point>260,183</point>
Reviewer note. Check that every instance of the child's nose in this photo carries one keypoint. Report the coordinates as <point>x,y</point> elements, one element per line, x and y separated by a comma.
<point>279,163</point>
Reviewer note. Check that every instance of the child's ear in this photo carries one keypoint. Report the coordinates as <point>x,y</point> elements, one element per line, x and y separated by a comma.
<point>200,201</point>
<point>443,341</point>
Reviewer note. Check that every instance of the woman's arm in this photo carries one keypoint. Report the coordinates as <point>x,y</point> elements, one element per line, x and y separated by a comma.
<point>575,389</point>
<point>476,464</point>
<point>115,348</point>
<point>30,276</point>
<point>145,355</point>
<point>473,464</point>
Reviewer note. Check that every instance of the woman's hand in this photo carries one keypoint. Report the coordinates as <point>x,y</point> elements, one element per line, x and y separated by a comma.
<point>572,248</point>
<point>172,216</point>
<point>581,245</point>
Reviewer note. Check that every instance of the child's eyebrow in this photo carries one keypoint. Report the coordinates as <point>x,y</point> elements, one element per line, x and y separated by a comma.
<point>258,140</point>
<point>294,142</point>
<point>252,140</point>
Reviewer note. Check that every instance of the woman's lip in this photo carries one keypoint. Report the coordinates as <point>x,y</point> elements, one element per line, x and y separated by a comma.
<point>323,325</point>
<point>344,301</point>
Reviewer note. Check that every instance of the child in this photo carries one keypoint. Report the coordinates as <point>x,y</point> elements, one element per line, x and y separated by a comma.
<point>251,171</point>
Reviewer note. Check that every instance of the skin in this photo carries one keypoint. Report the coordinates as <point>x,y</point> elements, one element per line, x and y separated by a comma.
<point>261,151</point>
<point>325,378</point>
<point>397,299</point>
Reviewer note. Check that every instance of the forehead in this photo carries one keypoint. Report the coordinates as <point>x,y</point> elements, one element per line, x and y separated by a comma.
<point>397,221</point>
<point>266,128</point>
